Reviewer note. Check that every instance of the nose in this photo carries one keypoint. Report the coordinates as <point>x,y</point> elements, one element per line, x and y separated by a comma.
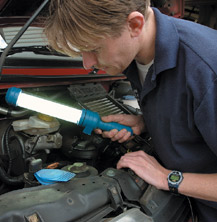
<point>89,60</point>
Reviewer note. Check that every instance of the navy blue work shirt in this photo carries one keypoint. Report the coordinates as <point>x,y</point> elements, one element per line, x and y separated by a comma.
<point>179,99</point>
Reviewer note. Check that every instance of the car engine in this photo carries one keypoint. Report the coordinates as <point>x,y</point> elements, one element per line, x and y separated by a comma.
<point>98,192</point>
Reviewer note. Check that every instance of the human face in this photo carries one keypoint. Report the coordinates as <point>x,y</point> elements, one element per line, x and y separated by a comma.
<point>112,54</point>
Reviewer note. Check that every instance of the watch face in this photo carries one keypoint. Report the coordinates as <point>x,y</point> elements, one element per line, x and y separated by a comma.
<point>174,177</point>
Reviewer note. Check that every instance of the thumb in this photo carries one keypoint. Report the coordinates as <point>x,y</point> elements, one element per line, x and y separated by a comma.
<point>106,118</point>
<point>112,118</point>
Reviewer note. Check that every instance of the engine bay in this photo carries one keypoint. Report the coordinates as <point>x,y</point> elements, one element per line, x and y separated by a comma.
<point>98,192</point>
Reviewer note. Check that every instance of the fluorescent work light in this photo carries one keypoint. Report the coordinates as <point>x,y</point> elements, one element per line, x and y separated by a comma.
<point>86,118</point>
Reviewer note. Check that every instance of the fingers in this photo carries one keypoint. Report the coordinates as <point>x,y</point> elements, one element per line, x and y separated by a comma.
<point>115,135</point>
<point>119,118</point>
<point>98,131</point>
<point>127,162</point>
<point>131,164</point>
<point>135,122</point>
<point>139,153</point>
<point>136,164</point>
<point>136,161</point>
<point>138,158</point>
<point>110,134</point>
<point>127,136</point>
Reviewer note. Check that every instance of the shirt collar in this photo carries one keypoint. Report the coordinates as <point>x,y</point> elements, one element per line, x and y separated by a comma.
<point>166,43</point>
<point>132,74</point>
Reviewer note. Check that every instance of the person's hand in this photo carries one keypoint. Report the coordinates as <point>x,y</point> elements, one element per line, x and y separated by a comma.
<point>146,167</point>
<point>135,122</point>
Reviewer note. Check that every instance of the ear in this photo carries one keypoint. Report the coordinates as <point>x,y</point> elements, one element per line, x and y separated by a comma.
<point>135,22</point>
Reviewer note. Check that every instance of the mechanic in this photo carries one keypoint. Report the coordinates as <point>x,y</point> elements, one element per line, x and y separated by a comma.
<point>172,64</point>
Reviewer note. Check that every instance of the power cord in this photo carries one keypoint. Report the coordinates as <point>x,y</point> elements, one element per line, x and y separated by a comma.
<point>191,209</point>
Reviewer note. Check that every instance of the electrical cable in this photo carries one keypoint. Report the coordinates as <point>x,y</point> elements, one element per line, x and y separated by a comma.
<point>35,143</point>
<point>191,209</point>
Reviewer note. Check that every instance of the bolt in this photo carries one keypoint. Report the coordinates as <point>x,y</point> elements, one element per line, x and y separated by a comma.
<point>110,173</point>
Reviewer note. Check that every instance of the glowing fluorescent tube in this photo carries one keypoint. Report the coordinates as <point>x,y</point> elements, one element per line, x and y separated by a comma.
<point>48,107</point>
<point>86,118</point>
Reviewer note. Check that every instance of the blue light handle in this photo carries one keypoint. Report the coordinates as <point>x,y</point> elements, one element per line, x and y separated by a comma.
<point>91,120</point>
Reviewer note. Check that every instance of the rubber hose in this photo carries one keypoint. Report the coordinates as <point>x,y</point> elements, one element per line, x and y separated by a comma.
<point>9,179</point>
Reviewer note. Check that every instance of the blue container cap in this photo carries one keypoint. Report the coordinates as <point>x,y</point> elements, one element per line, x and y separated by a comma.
<point>12,95</point>
<point>51,176</point>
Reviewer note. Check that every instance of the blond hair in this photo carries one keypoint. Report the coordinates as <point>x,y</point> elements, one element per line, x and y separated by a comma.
<point>73,24</point>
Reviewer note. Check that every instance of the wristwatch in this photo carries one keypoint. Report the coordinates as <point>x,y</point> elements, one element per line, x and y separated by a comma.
<point>174,179</point>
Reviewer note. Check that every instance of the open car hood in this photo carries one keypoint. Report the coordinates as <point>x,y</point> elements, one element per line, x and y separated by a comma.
<point>23,46</point>
<point>24,49</point>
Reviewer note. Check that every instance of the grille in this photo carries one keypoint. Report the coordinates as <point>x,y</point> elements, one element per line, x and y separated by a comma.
<point>95,98</point>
